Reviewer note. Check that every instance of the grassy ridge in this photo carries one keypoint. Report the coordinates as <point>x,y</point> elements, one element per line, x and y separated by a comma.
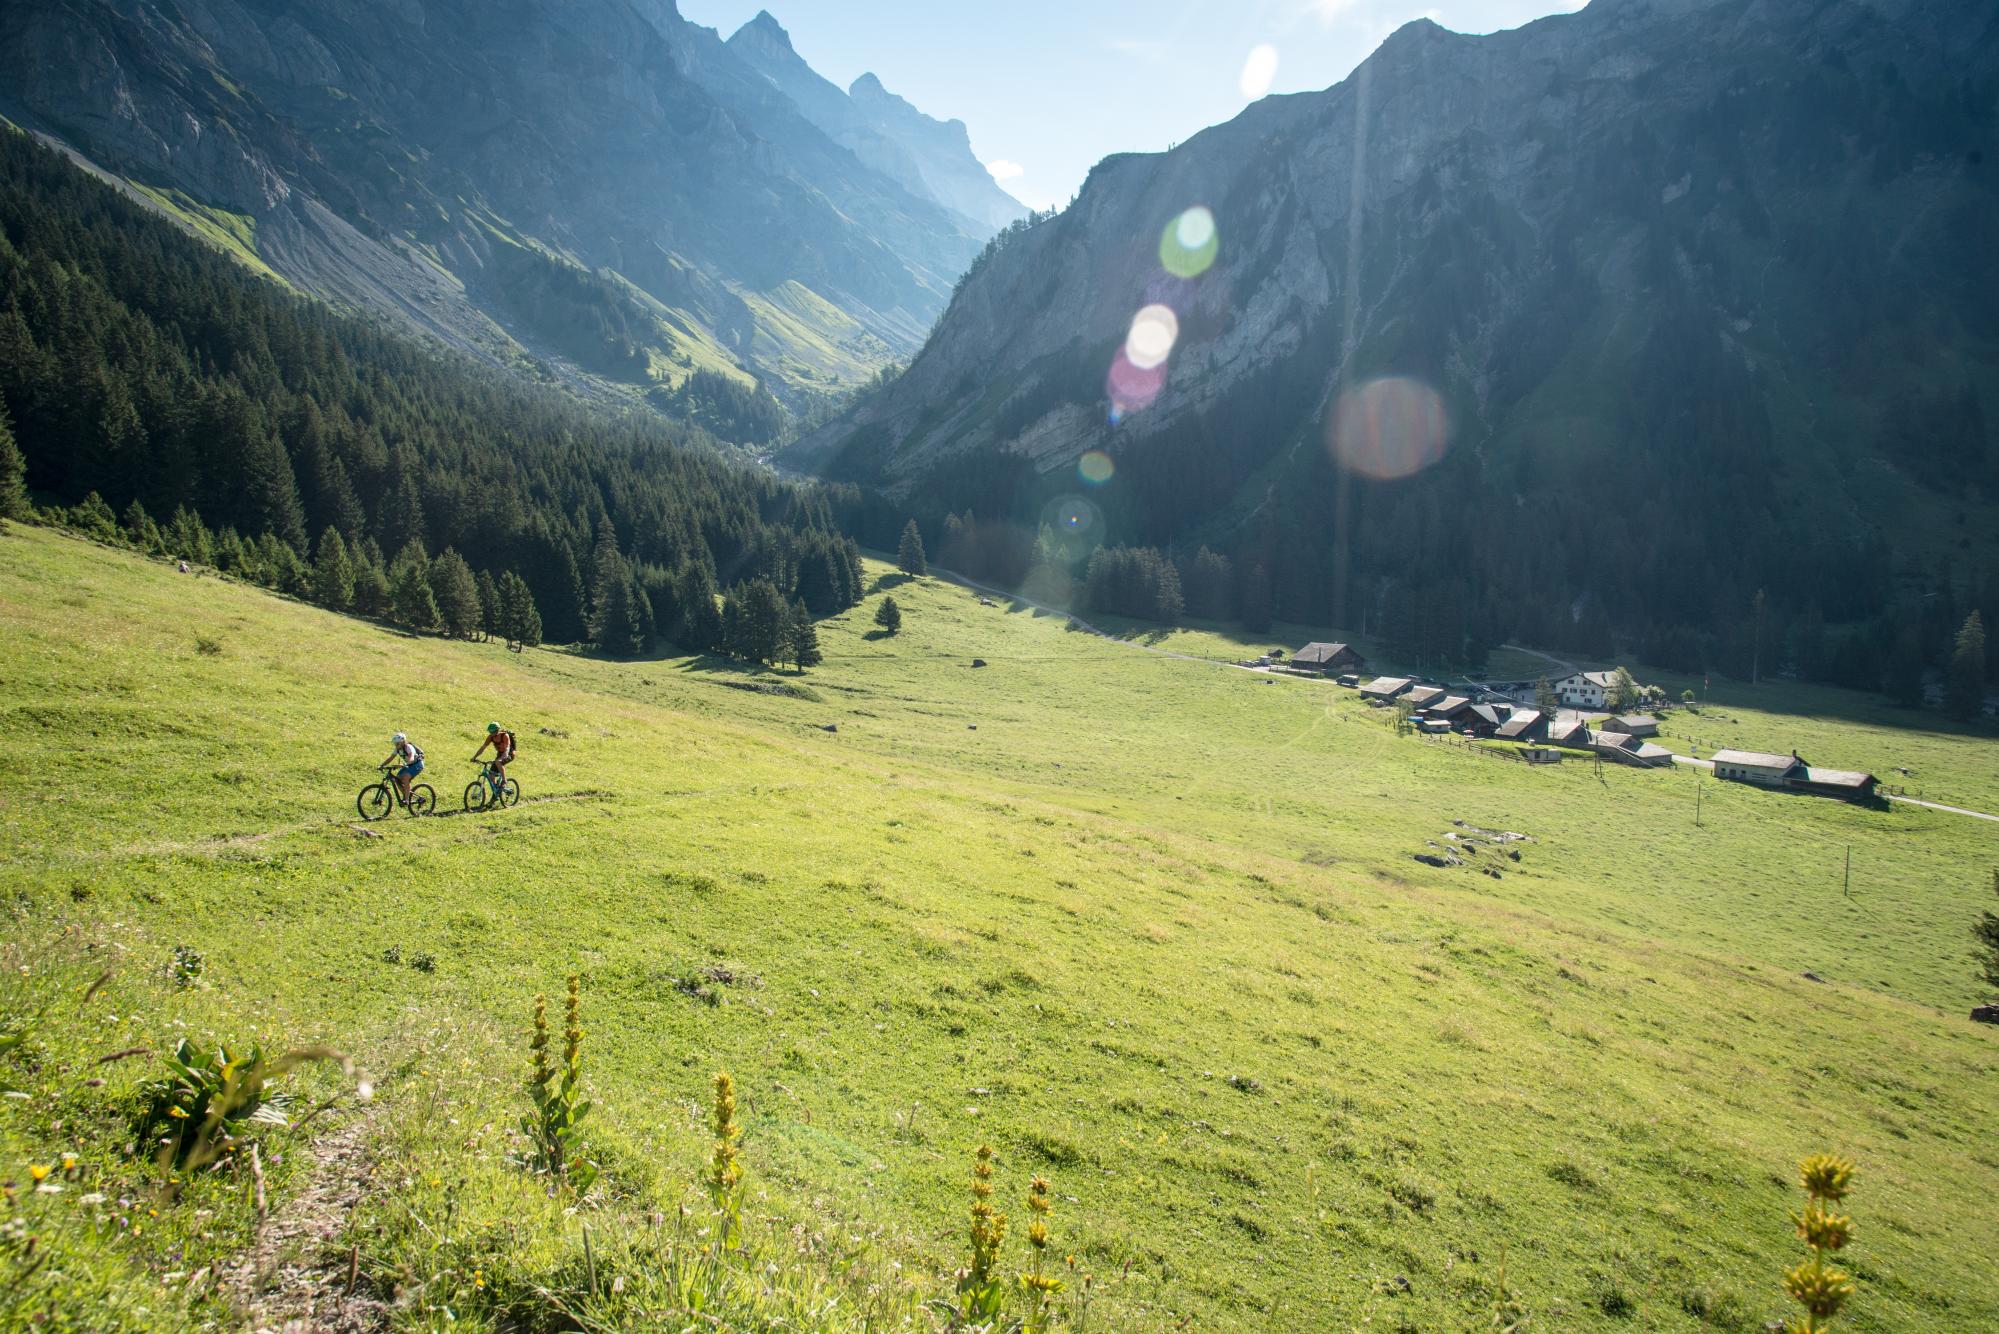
<point>1150,927</point>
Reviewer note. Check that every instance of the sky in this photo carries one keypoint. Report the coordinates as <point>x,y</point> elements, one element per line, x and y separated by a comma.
<point>1050,87</point>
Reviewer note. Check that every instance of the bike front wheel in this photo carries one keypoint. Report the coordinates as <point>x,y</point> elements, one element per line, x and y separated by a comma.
<point>510,795</point>
<point>423,799</point>
<point>476,793</point>
<point>375,801</point>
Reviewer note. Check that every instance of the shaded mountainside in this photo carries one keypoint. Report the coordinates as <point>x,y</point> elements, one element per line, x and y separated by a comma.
<point>601,186</point>
<point>930,158</point>
<point>1703,289</point>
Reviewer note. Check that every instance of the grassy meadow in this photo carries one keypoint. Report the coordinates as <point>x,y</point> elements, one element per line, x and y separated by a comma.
<point>1150,927</point>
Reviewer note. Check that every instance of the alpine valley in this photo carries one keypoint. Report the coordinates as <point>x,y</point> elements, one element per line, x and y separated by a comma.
<point>599,193</point>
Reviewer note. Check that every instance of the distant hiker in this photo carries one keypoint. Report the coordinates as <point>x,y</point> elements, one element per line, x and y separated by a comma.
<point>183,567</point>
<point>502,742</point>
<point>409,756</point>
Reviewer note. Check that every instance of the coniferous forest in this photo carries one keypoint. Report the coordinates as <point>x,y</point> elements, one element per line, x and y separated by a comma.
<point>170,398</point>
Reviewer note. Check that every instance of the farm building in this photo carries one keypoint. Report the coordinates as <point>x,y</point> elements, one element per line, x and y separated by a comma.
<point>1421,697</point>
<point>1633,724</point>
<point>1385,688</point>
<point>1328,658</point>
<point>1628,749</point>
<point>1751,766</point>
<point>1524,725</point>
<point>1585,690</point>
<point>1568,730</point>
<point>1482,719</point>
<point>1791,772</point>
<point>1843,783</point>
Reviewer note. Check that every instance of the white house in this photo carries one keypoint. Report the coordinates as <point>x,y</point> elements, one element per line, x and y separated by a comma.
<point>1585,690</point>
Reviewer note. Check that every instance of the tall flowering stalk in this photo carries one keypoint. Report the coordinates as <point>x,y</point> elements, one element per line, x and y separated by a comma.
<point>979,1287</point>
<point>554,1125</point>
<point>725,1170</point>
<point>1816,1284</point>
<point>1038,1284</point>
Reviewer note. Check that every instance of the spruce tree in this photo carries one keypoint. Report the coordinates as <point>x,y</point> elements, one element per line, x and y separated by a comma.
<point>140,530</point>
<point>700,619</point>
<point>730,640</point>
<point>518,620</point>
<point>1964,679</point>
<point>909,552</point>
<point>763,617</point>
<point>94,518</point>
<point>333,572</point>
<point>13,472</point>
<point>802,639</point>
<point>889,616</point>
<point>489,604</point>
<point>411,602</point>
<point>371,590</point>
<point>188,538</point>
<point>1545,698</point>
<point>457,594</point>
<point>1986,932</point>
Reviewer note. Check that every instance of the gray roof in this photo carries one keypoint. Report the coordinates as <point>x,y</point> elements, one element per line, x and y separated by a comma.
<point>1450,704</point>
<point>1422,696</point>
<point>1614,740</point>
<point>1839,777</point>
<point>1755,759</point>
<point>1638,720</point>
<point>1522,722</point>
<point>1319,651</point>
<point>1390,686</point>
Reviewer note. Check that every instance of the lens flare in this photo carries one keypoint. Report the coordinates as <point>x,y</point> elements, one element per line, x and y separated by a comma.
<point>1095,467</point>
<point>1071,528</point>
<point>1259,71</point>
<point>1190,243</point>
<point>1132,388</point>
<point>1389,428</point>
<point>1154,330</point>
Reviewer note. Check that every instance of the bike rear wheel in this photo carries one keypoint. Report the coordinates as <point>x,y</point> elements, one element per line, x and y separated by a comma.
<point>476,793</point>
<point>510,795</point>
<point>375,801</point>
<point>423,799</point>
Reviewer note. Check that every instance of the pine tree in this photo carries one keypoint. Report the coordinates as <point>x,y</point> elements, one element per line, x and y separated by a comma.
<point>1964,680</point>
<point>1545,698</point>
<point>272,490</point>
<point>616,625</point>
<point>457,594</point>
<point>333,572</point>
<point>518,619</point>
<point>802,639</point>
<point>13,472</point>
<point>372,594</point>
<point>761,634</point>
<point>411,602</point>
<point>1986,932</point>
<point>140,530</point>
<point>909,552</point>
<point>188,538</point>
<point>730,640</point>
<point>889,616</point>
<point>700,619</point>
<point>93,517</point>
<point>489,604</point>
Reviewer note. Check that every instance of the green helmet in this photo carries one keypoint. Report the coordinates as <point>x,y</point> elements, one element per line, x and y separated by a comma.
<point>492,728</point>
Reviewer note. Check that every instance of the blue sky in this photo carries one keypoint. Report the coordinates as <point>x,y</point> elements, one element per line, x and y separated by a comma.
<point>1051,86</point>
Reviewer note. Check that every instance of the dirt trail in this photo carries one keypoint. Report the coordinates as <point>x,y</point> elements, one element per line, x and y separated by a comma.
<point>293,1278</point>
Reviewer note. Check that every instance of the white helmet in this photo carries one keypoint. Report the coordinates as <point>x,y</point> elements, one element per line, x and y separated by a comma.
<point>399,738</point>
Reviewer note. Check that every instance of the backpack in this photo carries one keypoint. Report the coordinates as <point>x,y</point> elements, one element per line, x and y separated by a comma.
<point>416,753</point>
<point>513,746</point>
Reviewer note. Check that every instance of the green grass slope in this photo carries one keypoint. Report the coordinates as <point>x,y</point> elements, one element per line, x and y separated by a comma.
<point>1150,927</point>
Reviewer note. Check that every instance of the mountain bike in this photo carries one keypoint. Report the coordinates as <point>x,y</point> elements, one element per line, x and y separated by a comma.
<point>378,799</point>
<point>486,790</point>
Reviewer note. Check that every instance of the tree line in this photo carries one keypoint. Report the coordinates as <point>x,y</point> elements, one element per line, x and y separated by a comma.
<point>157,392</point>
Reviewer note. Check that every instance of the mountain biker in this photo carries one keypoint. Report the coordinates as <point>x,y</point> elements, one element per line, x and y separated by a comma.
<point>409,756</point>
<point>502,742</point>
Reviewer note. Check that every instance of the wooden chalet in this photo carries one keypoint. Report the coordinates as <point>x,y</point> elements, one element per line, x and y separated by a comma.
<point>1328,658</point>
